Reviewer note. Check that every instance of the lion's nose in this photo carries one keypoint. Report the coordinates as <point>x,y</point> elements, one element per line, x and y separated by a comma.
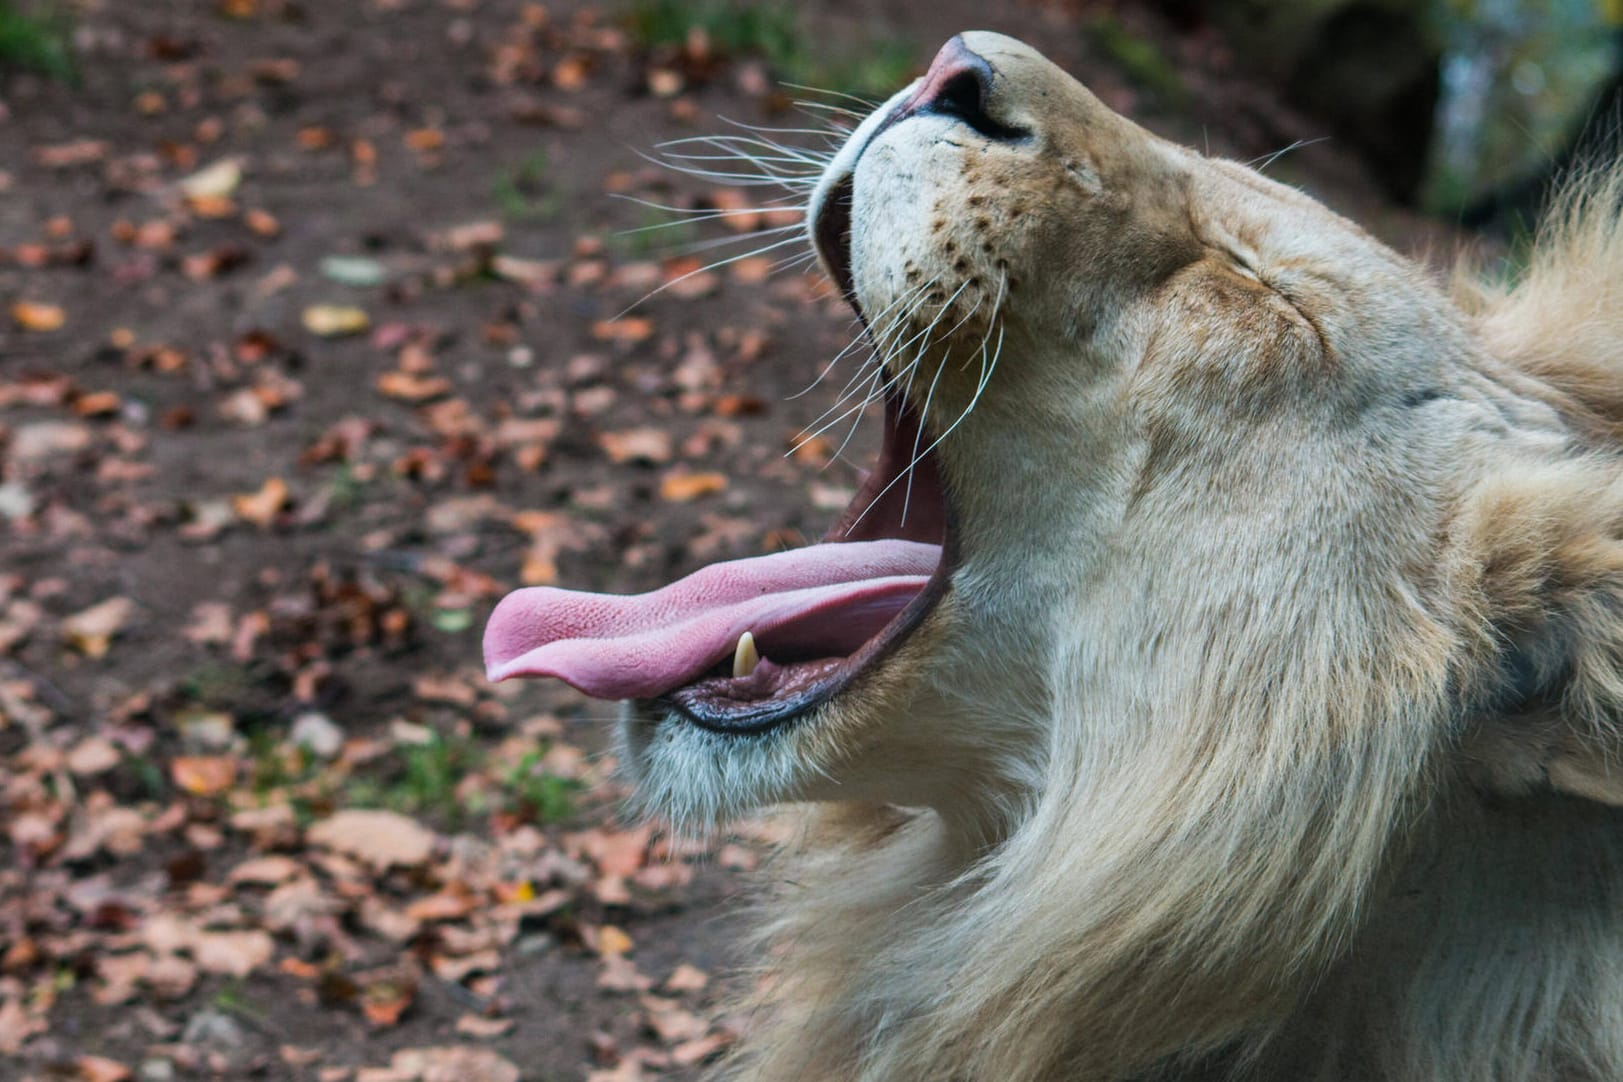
<point>957,80</point>
<point>959,85</point>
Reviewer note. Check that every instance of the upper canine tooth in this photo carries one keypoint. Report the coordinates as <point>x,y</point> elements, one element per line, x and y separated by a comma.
<point>745,657</point>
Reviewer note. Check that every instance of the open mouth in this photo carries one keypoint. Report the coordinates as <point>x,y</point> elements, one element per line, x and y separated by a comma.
<point>746,645</point>
<point>832,231</point>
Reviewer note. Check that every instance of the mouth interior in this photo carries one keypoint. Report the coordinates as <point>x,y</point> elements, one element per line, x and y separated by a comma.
<point>818,615</point>
<point>833,233</point>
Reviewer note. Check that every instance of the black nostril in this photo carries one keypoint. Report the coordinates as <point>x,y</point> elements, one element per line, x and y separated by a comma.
<point>964,96</point>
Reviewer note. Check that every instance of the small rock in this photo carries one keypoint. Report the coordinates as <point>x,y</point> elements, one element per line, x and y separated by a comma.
<point>157,1070</point>
<point>214,1031</point>
<point>16,502</point>
<point>353,270</point>
<point>318,733</point>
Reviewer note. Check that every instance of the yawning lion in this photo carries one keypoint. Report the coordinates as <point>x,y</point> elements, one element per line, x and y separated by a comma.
<point>1219,675</point>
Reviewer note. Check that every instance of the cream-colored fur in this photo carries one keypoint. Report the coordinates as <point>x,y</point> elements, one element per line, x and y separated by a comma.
<point>1269,728</point>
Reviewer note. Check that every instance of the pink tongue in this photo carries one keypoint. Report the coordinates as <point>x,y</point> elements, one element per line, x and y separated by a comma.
<point>820,601</point>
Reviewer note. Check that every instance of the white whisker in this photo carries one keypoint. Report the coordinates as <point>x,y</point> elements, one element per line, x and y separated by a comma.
<point>710,267</point>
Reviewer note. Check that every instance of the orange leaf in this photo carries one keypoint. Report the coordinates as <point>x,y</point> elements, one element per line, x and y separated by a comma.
<point>612,941</point>
<point>627,329</point>
<point>33,316</point>
<point>91,632</point>
<point>385,1001</point>
<point>262,507</point>
<point>101,1069</point>
<point>412,388</point>
<point>203,775</point>
<point>680,486</point>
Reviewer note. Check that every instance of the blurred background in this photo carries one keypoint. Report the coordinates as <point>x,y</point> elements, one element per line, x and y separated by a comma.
<point>323,323</point>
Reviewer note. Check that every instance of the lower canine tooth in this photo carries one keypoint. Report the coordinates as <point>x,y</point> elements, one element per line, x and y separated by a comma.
<point>745,657</point>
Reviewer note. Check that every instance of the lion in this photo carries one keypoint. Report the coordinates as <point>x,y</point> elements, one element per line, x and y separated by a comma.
<point>1219,676</point>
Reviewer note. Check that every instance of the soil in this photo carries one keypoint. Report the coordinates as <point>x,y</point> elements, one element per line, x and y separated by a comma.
<point>470,153</point>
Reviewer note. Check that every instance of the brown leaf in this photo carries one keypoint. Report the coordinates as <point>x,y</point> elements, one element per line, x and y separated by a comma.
<point>335,320</point>
<point>409,387</point>
<point>691,1053</point>
<point>384,1001</point>
<point>671,1023</point>
<point>261,508</point>
<point>686,978</point>
<point>626,329</point>
<point>267,871</point>
<point>454,970</point>
<point>472,237</point>
<point>681,485</point>
<point>235,954</point>
<point>214,182</point>
<point>611,941</point>
<point>475,1025</point>
<point>455,1063</point>
<point>97,404</point>
<point>614,852</point>
<point>653,445</point>
<point>91,756</point>
<point>100,1069</point>
<point>380,838</point>
<point>17,1025</point>
<point>38,317</point>
<point>210,623</point>
<point>91,631</point>
<point>203,775</point>
<point>47,439</point>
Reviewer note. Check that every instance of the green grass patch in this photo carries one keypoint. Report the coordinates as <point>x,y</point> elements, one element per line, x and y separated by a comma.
<point>771,30</point>
<point>35,37</point>
<point>524,192</point>
<point>775,33</point>
<point>427,779</point>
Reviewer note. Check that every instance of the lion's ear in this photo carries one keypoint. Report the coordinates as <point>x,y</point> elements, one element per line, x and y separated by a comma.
<point>1539,555</point>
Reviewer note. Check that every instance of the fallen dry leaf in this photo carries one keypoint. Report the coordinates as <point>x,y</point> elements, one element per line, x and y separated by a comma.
<point>38,317</point>
<point>612,941</point>
<point>47,439</point>
<point>267,871</point>
<point>380,838</point>
<point>214,182</point>
<point>410,387</point>
<point>262,507</point>
<point>335,320</point>
<point>626,329</point>
<point>384,1001</point>
<point>17,1025</point>
<point>680,485</point>
<point>686,978</point>
<point>100,1069</point>
<point>91,631</point>
<point>91,756</point>
<point>454,1063</point>
<point>476,1025</point>
<point>234,954</point>
<point>652,445</point>
<point>203,775</point>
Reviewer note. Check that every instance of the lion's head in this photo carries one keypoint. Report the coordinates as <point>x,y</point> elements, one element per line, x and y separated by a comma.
<point>1218,676</point>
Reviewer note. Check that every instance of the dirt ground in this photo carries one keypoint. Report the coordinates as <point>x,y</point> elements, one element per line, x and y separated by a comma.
<point>309,353</point>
